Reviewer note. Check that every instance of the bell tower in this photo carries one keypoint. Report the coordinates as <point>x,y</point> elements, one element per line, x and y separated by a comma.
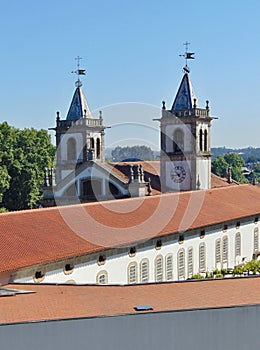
<point>79,137</point>
<point>185,139</point>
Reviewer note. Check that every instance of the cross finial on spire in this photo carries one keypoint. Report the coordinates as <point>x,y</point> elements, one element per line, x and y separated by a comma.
<point>188,56</point>
<point>79,71</point>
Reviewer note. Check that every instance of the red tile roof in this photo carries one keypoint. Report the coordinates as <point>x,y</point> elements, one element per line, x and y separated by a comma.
<point>67,301</point>
<point>217,181</point>
<point>41,236</point>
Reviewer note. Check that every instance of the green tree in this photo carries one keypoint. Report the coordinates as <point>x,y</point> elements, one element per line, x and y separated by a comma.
<point>24,154</point>
<point>219,166</point>
<point>134,152</point>
<point>233,160</point>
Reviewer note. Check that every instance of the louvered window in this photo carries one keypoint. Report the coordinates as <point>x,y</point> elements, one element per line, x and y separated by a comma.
<point>159,269</point>
<point>238,244</point>
<point>225,249</point>
<point>181,264</point>
<point>144,269</point>
<point>202,257</point>
<point>169,267</point>
<point>190,261</point>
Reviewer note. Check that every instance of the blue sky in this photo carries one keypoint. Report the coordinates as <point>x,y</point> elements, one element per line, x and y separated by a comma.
<point>130,51</point>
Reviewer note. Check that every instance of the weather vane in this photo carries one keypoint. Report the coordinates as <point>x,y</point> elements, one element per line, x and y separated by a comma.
<point>79,71</point>
<point>188,56</point>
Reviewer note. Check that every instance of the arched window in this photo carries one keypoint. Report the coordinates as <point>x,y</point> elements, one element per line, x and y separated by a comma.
<point>202,257</point>
<point>169,267</point>
<point>159,269</point>
<point>132,273</point>
<point>190,262</point>
<point>201,140</point>
<point>71,149</point>
<point>98,148</point>
<point>256,239</point>
<point>144,271</point>
<point>225,249</point>
<point>102,277</point>
<point>238,244</point>
<point>218,251</point>
<point>205,141</point>
<point>92,143</point>
<point>181,264</point>
<point>178,141</point>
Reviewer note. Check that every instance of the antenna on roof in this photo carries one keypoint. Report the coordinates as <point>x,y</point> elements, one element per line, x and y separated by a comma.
<point>188,56</point>
<point>79,71</point>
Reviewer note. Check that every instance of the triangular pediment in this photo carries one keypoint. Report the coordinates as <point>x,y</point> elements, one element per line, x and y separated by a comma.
<point>79,106</point>
<point>185,95</point>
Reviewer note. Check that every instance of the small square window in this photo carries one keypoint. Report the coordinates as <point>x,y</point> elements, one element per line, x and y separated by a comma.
<point>101,259</point>
<point>68,269</point>
<point>132,251</point>
<point>181,239</point>
<point>256,220</point>
<point>158,244</point>
<point>38,276</point>
<point>238,224</point>
<point>202,234</point>
<point>225,227</point>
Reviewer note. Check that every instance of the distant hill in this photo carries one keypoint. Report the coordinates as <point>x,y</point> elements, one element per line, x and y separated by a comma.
<point>249,154</point>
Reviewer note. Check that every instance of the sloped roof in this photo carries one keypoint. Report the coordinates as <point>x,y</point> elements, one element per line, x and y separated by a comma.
<point>47,235</point>
<point>185,95</point>
<point>79,106</point>
<point>217,181</point>
<point>50,302</point>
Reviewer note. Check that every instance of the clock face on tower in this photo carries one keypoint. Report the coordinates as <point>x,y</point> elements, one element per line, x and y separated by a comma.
<point>178,174</point>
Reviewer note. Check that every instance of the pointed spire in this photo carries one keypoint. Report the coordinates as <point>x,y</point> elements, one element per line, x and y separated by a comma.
<point>79,106</point>
<point>185,95</point>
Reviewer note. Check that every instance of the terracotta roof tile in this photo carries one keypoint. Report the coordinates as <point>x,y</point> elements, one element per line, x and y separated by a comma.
<point>67,301</point>
<point>40,236</point>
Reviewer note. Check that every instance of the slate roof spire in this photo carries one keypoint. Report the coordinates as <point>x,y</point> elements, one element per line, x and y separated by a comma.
<point>79,106</point>
<point>185,96</point>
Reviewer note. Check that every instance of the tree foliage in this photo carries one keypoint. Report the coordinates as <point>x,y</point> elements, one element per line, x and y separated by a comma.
<point>232,160</point>
<point>24,154</point>
<point>132,153</point>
